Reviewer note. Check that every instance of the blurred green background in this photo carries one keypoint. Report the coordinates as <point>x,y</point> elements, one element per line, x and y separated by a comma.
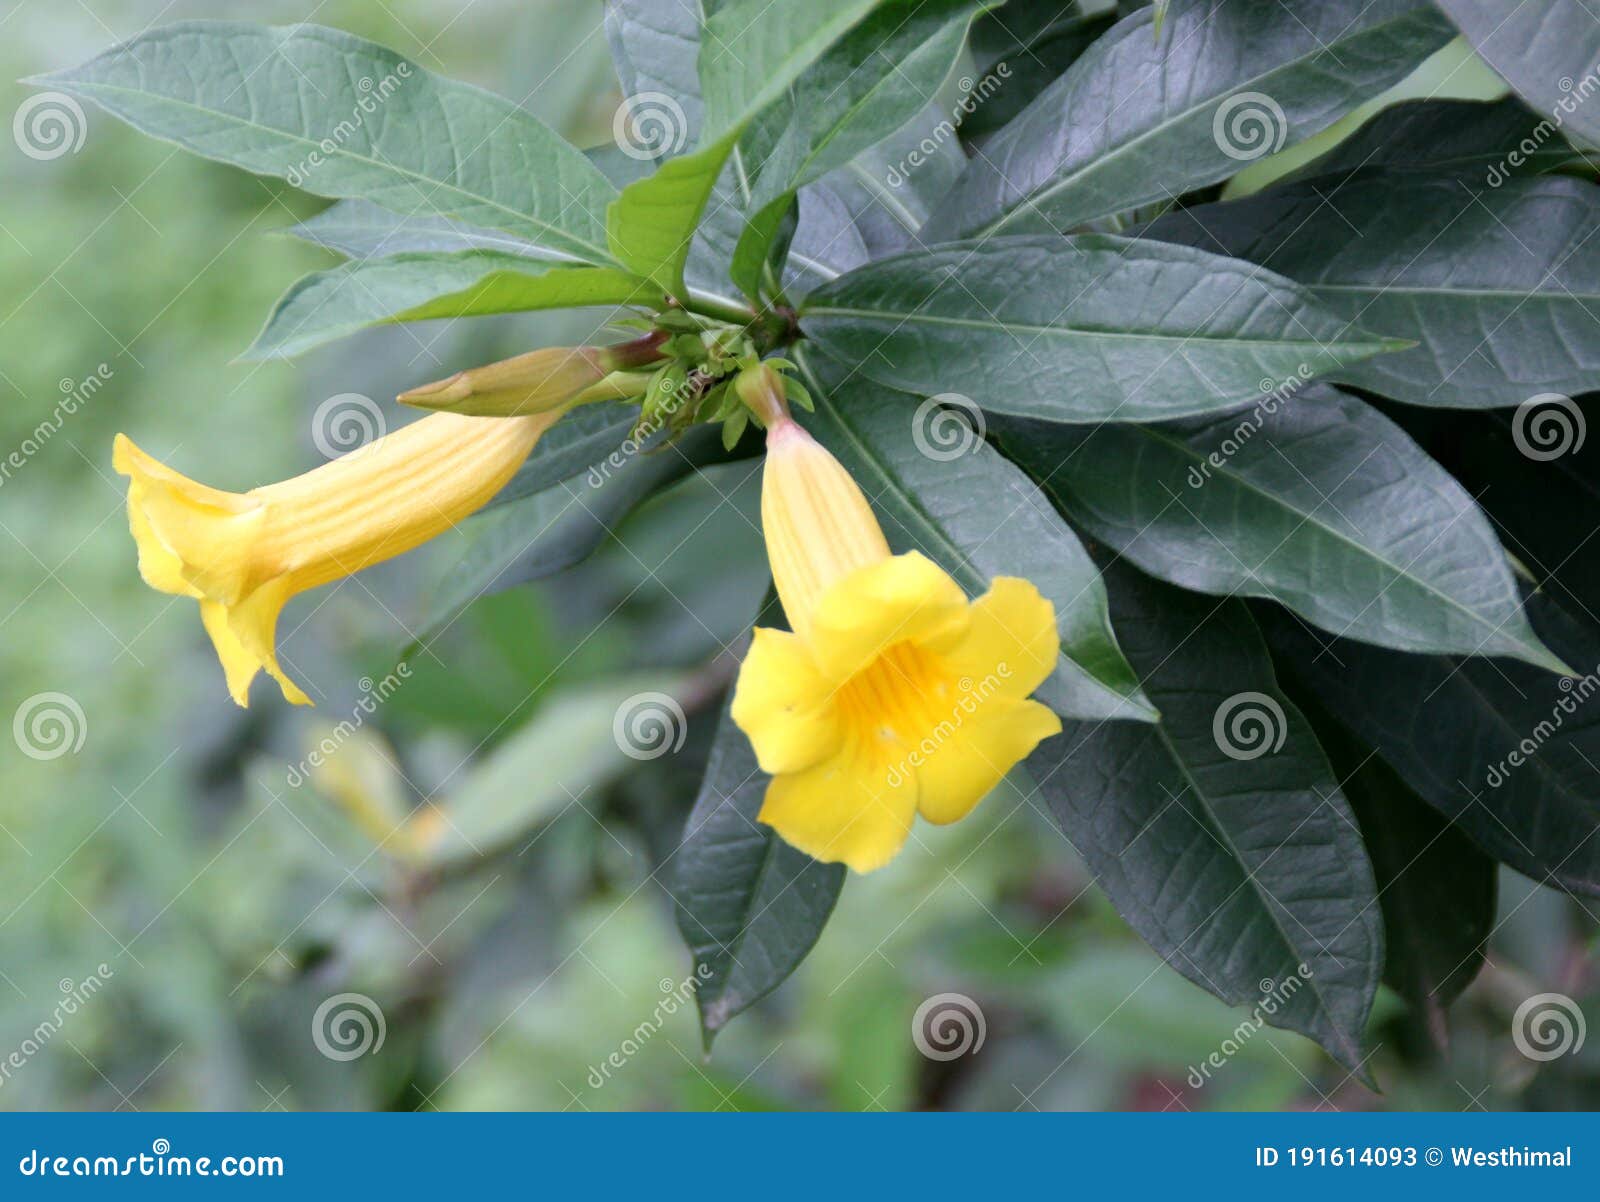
<point>233,904</point>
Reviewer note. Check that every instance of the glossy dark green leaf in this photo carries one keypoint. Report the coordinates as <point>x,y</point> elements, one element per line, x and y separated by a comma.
<point>749,906</point>
<point>889,190</point>
<point>940,489</point>
<point>1144,116</point>
<point>1317,501</point>
<point>415,287</point>
<point>1220,833</point>
<point>1021,48</point>
<point>1506,752</point>
<point>827,240</point>
<point>875,80</point>
<point>1484,142</point>
<point>339,116</point>
<point>1500,288</point>
<point>1546,50</point>
<point>1543,508</point>
<point>1080,329</point>
<point>1437,889</point>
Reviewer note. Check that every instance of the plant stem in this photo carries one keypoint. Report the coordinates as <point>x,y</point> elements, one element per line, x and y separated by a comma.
<point>718,310</point>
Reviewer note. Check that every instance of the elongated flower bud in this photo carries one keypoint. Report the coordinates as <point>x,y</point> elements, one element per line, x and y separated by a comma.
<point>539,381</point>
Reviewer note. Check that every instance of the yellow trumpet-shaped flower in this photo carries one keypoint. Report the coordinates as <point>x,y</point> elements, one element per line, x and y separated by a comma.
<point>243,555</point>
<point>895,695</point>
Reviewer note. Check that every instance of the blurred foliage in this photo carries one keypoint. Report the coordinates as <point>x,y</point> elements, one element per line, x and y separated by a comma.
<point>518,940</point>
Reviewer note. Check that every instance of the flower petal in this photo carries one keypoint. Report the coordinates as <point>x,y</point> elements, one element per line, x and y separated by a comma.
<point>193,540</point>
<point>244,635</point>
<point>965,767</point>
<point>905,598</point>
<point>1012,638</point>
<point>783,705</point>
<point>848,809</point>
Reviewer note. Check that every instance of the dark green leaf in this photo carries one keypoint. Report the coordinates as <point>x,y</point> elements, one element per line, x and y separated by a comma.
<point>874,81</point>
<point>1499,288</point>
<point>1316,500</point>
<point>1479,141</point>
<point>1078,329</point>
<point>339,116</point>
<point>1506,752</point>
<point>1546,51</point>
<point>416,287</point>
<point>1436,888</point>
<point>1220,834</point>
<point>655,45</point>
<point>1542,507</point>
<point>359,229</point>
<point>750,906</point>
<point>1144,116</point>
<point>945,492</point>
<point>1023,47</point>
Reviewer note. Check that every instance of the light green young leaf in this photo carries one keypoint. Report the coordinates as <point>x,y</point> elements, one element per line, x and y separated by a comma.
<point>751,52</point>
<point>415,287</point>
<point>879,77</point>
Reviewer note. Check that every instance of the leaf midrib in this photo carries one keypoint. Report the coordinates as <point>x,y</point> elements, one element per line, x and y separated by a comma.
<point>1032,200</point>
<point>1308,518</point>
<point>1083,332</point>
<point>1262,893</point>
<point>90,88</point>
